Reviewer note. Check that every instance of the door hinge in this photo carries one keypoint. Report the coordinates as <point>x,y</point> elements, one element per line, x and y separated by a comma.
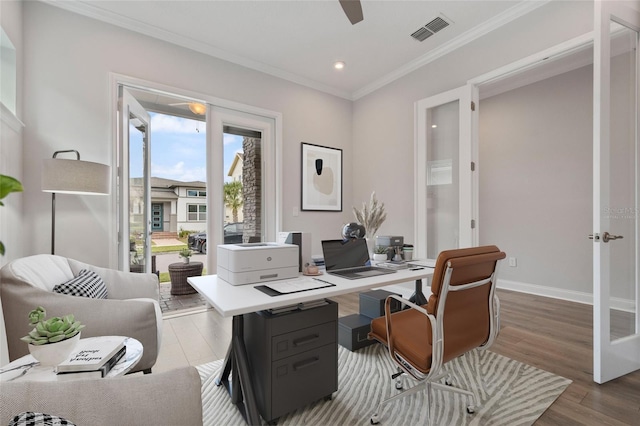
<point>473,166</point>
<point>473,224</point>
<point>473,106</point>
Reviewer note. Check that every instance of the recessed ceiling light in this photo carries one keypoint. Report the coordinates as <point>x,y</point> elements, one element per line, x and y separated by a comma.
<point>338,65</point>
<point>433,126</point>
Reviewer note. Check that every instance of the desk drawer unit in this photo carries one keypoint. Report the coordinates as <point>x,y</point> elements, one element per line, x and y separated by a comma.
<point>293,357</point>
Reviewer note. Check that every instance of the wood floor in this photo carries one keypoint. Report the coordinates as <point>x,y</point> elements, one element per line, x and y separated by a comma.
<point>550,334</point>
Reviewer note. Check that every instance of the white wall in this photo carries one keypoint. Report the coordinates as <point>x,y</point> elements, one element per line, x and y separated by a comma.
<point>383,124</point>
<point>67,96</point>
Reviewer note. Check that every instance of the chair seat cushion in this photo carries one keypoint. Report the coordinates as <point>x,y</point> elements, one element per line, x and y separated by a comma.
<point>412,337</point>
<point>86,284</point>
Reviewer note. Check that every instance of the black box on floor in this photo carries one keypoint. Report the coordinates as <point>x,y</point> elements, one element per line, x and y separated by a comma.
<point>353,330</point>
<point>372,303</point>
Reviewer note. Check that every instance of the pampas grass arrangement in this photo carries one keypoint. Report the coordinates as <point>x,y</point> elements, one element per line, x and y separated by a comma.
<point>371,216</point>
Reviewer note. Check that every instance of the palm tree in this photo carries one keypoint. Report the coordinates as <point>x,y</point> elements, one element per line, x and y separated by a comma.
<point>233,197</point>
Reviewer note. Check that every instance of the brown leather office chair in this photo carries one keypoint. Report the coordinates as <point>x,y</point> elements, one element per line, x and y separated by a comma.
<point>462,314</point>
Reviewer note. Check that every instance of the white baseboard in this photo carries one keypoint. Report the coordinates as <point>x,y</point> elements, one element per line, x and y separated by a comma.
<point>558,293</point>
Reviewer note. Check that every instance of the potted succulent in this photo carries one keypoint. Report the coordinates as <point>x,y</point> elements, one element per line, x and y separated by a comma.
<point>380,254</point>
<point>52,340</point>
<point>185,254</point>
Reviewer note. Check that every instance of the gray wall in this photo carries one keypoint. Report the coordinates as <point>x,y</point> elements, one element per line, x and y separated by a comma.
<point>536,180</point>
<point>383,124</point>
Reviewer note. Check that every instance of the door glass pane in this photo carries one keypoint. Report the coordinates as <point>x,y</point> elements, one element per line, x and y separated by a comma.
<point>137,196</point>
<point>624,207</point>
<point>443,136</point>
<point>242,186</point>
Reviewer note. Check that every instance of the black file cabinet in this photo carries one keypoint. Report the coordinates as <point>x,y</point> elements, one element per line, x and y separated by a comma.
<point>293,357</point>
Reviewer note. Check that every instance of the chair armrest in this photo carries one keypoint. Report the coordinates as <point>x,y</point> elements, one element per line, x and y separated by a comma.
<point>168,398</point>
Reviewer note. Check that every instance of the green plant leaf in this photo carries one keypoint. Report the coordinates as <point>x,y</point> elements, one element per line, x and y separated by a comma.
<point>9,185</point>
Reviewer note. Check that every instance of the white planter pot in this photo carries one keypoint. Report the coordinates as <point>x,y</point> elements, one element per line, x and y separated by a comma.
<point>53,354</point>
<point>379,257</point>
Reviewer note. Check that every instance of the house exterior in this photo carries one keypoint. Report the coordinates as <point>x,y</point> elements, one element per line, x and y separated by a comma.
<point>175,205</point>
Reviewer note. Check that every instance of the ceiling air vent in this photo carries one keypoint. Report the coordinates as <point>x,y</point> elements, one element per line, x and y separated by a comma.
<point>437,24</point>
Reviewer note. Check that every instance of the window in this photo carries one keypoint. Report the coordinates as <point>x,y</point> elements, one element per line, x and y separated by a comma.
<point>196,212</point>
<point>8,68</point>
<point>196,193</point>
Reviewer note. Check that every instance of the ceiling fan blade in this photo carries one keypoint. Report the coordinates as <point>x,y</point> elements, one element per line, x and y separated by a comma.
<point>353,10</point>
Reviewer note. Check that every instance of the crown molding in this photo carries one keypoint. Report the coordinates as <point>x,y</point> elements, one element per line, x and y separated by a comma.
<point>92,11</point>
<point>486,27</point>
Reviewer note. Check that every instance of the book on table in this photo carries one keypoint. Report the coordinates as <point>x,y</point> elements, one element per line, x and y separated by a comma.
<point>94,354</point>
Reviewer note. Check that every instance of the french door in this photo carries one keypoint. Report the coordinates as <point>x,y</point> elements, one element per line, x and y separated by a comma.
<point>445,159</point>
<point>616,192</point>
<point>134,197</point>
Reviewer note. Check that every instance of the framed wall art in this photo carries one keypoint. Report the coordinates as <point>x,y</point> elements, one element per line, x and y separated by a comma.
<point>321,178</point>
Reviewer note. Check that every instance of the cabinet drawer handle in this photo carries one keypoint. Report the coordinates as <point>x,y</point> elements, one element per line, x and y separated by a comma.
<point>306,340</point>
<point>306,363</point>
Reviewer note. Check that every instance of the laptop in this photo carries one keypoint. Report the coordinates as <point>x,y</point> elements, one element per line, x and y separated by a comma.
<point>350,259</point>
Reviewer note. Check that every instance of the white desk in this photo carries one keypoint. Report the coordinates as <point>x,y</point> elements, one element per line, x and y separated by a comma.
<point>230,300</point>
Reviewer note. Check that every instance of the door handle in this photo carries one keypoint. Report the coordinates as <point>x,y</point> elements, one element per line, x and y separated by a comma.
<point>606,237</point>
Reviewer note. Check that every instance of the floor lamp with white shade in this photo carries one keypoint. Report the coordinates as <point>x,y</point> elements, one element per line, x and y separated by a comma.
<point>72,177</point>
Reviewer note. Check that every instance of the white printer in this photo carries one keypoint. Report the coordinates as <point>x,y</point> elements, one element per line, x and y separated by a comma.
<point>250,263</point>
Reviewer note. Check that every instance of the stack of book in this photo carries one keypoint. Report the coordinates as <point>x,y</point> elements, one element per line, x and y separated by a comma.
<point>94,355</point>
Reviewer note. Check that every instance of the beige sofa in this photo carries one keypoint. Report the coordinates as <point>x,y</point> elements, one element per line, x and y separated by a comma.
<point>131,309</point>
<point>167,398</point>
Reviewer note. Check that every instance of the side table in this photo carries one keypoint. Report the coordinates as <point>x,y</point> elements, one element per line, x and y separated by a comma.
<point>179,272</point>
<point>37,373</point>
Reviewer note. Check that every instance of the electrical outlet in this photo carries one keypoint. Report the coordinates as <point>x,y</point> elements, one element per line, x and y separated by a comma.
<point>296,211</point>
<point>513,262</point>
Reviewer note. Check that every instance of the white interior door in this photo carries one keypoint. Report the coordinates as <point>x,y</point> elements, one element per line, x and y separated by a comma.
<point>134,188</point>
<point>616,197</point>
<point>445,157</point>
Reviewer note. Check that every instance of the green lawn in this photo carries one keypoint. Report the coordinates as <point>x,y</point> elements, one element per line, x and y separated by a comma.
<point>167,249</point>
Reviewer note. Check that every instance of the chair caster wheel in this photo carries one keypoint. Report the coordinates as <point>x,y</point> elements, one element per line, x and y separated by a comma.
<point>471,409</point>
<point>448,382</point>
<point>374,419</point>
<point>399,385</point>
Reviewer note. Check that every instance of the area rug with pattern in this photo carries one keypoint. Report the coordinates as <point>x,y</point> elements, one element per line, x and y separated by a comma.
<point>511,393</point>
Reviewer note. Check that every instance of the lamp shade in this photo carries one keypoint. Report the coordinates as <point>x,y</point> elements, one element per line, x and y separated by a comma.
<point>75,177</point>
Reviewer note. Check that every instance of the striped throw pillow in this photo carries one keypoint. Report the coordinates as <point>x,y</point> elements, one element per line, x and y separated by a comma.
<point>86,284</point>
